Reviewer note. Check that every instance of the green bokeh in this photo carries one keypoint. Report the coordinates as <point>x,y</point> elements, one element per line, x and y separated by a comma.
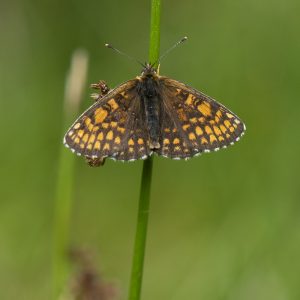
<point>222,226</point>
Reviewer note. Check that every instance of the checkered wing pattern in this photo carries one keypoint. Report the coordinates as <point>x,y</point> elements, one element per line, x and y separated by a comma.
<point>113,127</point>
<point>193,123</point>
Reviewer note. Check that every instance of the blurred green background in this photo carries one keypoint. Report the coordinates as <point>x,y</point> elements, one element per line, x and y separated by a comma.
<point>222,226</point>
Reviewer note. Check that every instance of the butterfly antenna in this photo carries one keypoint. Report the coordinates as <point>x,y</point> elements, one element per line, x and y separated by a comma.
<point>172,48</point>
<point>124,54</point>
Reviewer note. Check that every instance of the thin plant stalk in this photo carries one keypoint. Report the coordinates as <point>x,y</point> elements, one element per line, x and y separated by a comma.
<point>75,83</point>
<point>144,201</point>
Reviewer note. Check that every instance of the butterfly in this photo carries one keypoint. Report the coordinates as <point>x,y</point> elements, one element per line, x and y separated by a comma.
<point>152,114</point>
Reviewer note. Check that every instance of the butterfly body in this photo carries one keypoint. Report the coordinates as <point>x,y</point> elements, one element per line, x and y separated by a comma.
<point>148,89</point>
<point>153,114</point>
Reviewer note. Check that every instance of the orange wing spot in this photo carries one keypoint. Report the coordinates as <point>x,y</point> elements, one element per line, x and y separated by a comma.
<point>193,120</point>
<point>223,128</point>
<point>87,121</point>
<point>204,141</point>
<point>185,150</point>
<point>100,136</point>
<point>204,108</point>
<point>85,137</point>
<point>73,137</point>
<point>235,126</point>
<point>106,146</point>
<point>227,123</point>
<point>91,127</point>
<point>166,141</point>
<point>221,139</point>
<point>100,114</point>
<point>186,126</point>
<point>77,125</point>
<point>92,138</point>
<point>80,133</point>
<point>89,146</point>
<point>212,138</point>
<point>231,129</point>
<point>192,136</point>
<point>178,91</point>
<point>228,135</point>
<point>113,124</point>
<point>217,130</point>
<point>104,125</point>
<point>82,145</point>
<point>219,114</point>
<point>96,128</point>
<point>217,119</point>
<point>174,130</point>
<point>208,130</point>
<point>177,148</point>
<point>130,142</point>
<point>97,145</point>
<point>212,122</point>
<point>176,141</point>
<point>120,129</point>
<point>189,100</point>
<point>117,140</point>
<point>140,141</point>
<point>201,119</point>
<point>167,130</point>
<point>131,149</point>
<point>229,115</point>
<point>110,135</point>
<point>113,104</point>
<point>181,115</point>
<point>198,130</point>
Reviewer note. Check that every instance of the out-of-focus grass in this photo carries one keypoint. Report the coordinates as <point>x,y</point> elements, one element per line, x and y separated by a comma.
<point>222,225</point>
<point>64,195</point>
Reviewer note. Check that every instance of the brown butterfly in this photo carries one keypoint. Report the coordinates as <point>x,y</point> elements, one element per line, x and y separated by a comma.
<point>152,114</point>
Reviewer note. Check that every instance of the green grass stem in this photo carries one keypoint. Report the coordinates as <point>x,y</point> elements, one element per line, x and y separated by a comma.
<point>144,201</point>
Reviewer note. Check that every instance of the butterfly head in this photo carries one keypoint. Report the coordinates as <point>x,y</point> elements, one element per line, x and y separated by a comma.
<point>148,70</point>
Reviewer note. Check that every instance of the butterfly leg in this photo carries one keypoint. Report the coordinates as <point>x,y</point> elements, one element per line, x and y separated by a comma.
<point>104,89</point>
<point>95,162</point>
<point>102,86</point>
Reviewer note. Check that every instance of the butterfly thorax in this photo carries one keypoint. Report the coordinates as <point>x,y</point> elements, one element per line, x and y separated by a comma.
<point>148,89</point>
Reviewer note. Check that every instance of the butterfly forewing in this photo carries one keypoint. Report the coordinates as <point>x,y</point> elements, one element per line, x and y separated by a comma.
<point>112,127</point>
<point>193,122</point>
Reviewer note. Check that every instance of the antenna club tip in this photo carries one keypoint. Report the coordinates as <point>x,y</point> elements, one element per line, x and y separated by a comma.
<point>107,45</point>
<point>184,38</point>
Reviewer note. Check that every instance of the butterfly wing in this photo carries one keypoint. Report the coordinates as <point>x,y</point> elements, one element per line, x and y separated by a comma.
<point>193,123</point>
<point>113,127</point>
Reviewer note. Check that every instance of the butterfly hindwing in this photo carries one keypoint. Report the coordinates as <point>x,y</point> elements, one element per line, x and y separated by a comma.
<point>112,127</point>
<point>193,122</point>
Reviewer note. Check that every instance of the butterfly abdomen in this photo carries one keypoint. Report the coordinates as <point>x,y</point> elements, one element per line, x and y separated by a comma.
<point>148,90</point>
